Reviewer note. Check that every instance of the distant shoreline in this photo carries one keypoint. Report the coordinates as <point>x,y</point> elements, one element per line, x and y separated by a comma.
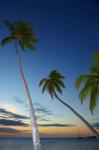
<point>91,137</point>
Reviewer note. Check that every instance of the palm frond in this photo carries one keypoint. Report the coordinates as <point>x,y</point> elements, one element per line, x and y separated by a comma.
<point>84,92</point>
<point>58,88</point>
<point>22,45</point>
<point>45,86</point>
<point>34,39</point>
<point>50,89</point>
<point>92,80</point>
<point>96,58</point>
<point>11,26</point>
<point>6,40</point>
<point>23,27</point>
<point>42,81</point>
<point>26,31</point>
<point>56,74</point>
<point>60,82</point>
<point>93,97</point>
<point>94,70</point>
<point>30,46</point>
<point>26,45</point>
<point>80,79</point>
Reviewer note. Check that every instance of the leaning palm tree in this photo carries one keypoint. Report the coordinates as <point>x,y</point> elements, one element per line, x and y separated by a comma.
<point>22,34</point>
<point>54,84</point>
<point>90,84</point>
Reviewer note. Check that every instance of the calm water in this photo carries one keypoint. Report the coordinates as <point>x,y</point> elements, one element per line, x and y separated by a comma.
<point>50,144</point>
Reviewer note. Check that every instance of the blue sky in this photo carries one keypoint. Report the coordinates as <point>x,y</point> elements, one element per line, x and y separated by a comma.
<point>68,34</point>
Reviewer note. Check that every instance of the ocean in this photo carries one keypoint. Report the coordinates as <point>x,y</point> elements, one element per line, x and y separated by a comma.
<point>50,144</point>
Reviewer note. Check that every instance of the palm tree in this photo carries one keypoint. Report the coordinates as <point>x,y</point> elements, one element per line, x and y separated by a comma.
<point>90,84</point>
<point>53,84</point>
<point>23,35</point>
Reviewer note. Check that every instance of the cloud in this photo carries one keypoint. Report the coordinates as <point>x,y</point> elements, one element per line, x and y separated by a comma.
<point>42,114</point>
<point>37,106</point>
<point>41,117</point>
<point>96,125</point>
<point>43,110</point>
<point>5,122</point>
<point>9,107</point>
<point>18,100</point>
<point>9,130</point>
<point>4,114</point>
<point>55,125</point>
<point>2,110</point>
<point>19,116</point>
<point>40,109</point>
<point>12,115</point>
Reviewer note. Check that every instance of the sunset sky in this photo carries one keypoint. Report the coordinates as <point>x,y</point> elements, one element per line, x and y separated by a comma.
<point>68,33</point>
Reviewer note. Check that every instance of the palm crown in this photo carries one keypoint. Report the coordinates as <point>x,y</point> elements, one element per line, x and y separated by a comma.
<point>21,32</point>
<point>53,84</point>
<point>90,84</point>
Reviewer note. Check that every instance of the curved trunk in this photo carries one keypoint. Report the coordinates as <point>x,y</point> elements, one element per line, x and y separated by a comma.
<point>35,134</point>
<point>80,117</point>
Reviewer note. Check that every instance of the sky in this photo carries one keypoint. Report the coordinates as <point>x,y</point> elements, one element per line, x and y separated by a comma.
<point>68,33</point>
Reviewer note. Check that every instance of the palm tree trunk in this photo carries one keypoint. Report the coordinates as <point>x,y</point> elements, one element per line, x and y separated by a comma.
<point>35,134</point>
<point>80,117</point>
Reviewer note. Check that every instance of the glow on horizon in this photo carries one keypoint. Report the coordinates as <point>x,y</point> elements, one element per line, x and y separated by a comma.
<point>49,132</point>
<point>46,132</point>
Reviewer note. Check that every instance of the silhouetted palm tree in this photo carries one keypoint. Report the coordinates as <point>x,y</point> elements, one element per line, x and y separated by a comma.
<point>53,84</point>
<point>23,35</point>
<point>90,84</point>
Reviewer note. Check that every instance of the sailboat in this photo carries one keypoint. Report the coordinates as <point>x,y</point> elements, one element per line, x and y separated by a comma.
<point>79,136</point>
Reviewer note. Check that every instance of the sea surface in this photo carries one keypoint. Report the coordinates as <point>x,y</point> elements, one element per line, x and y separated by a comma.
<point>50,144</point>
